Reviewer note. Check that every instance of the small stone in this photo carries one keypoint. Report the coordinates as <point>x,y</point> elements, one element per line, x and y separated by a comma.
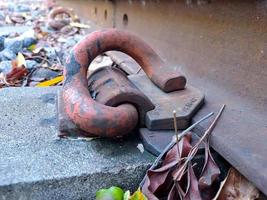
<point>44,73</point>
<point>62,40</point>
<point>33,83</point>
<point>140,147</point>
<point>28,42</point>
<point>51,53</point>
<point>69,43</point>
<point>7,55</point>
<point>36,13</point>
<point>5,66</point>
<point>27,34</point>
<point>31,64</point>
<point>14,45</point>
<point>2,42</point>
<point>22,8</point>
<point>11,7</point>
<point>28,23</point>
<point>2,16</point>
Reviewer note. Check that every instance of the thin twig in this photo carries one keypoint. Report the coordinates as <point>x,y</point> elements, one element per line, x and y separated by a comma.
<point>194,150</point>
<point>176,131</point>
<point>172,143</point>
<point>58,59</point>
<point>43,59</point>
<point>27,78</point>
<point>210,129</point>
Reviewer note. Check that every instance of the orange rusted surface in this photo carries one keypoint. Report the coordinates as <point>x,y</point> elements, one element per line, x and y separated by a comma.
<point>159,72</point>
<point>98,119</point>
<point>57,24</point>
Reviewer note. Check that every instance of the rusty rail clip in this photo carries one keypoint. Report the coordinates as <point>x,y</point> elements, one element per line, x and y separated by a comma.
<point>57,24</point>
<point>97,119</point>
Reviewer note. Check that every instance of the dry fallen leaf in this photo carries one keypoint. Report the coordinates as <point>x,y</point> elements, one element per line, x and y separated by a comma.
<point>51,82</point>
<point>16,74</point>
<point>79,25</point>
<point>236,187</point>
<point>208,181</point>
<point>159,181</point>
<point>21,60</point>
<point>138,195</point>
<point>32,47</point>
<point>210,170</point>
<point>8,20</point>
<point>170,179</point>
<point>192,192</point>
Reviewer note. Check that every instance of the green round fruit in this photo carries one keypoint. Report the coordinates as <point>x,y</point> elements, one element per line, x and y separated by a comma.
<point>113,193</point>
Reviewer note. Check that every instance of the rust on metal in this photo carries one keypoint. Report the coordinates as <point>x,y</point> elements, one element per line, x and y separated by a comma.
<point>216,51</point>
<point>186,102</point>
<point>94,118</point>
<point>99,42</point>
<point>111,87</point>
<point>58,24</point>
<point>98,119</point>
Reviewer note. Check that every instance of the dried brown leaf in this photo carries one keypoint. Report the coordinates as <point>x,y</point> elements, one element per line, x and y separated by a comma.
<point>185,145</point>
<point>147,192</point>
<point>159,181</point>
<point>236,187</point>
<point>182,168</point>
<point>173,194</point>
<point>210,170</point>
<point>158,177</point>
<point>16,74</point>
<point>192,192</point>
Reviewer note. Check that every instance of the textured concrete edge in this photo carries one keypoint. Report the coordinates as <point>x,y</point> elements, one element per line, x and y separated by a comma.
<point>76,187</point>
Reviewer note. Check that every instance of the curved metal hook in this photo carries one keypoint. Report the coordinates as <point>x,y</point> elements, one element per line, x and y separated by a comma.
<point>98,119</point>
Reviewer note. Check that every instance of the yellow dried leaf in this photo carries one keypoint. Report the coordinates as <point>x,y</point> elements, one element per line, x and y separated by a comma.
<point>79,25</point>
<point>32,47</point>
<point>138,195</point>
<point>50,82</point>
<point>21,60</point>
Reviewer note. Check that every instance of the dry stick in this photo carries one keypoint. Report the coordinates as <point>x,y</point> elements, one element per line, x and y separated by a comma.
<point>172,143</point>
<point>193,151</point>
<point>210,129</point>
<point>29,76</point>
<point>175,130</point>
<point>43,59</point>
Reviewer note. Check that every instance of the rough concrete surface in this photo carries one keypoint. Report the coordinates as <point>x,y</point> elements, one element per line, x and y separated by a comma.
<point>35,164</point>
